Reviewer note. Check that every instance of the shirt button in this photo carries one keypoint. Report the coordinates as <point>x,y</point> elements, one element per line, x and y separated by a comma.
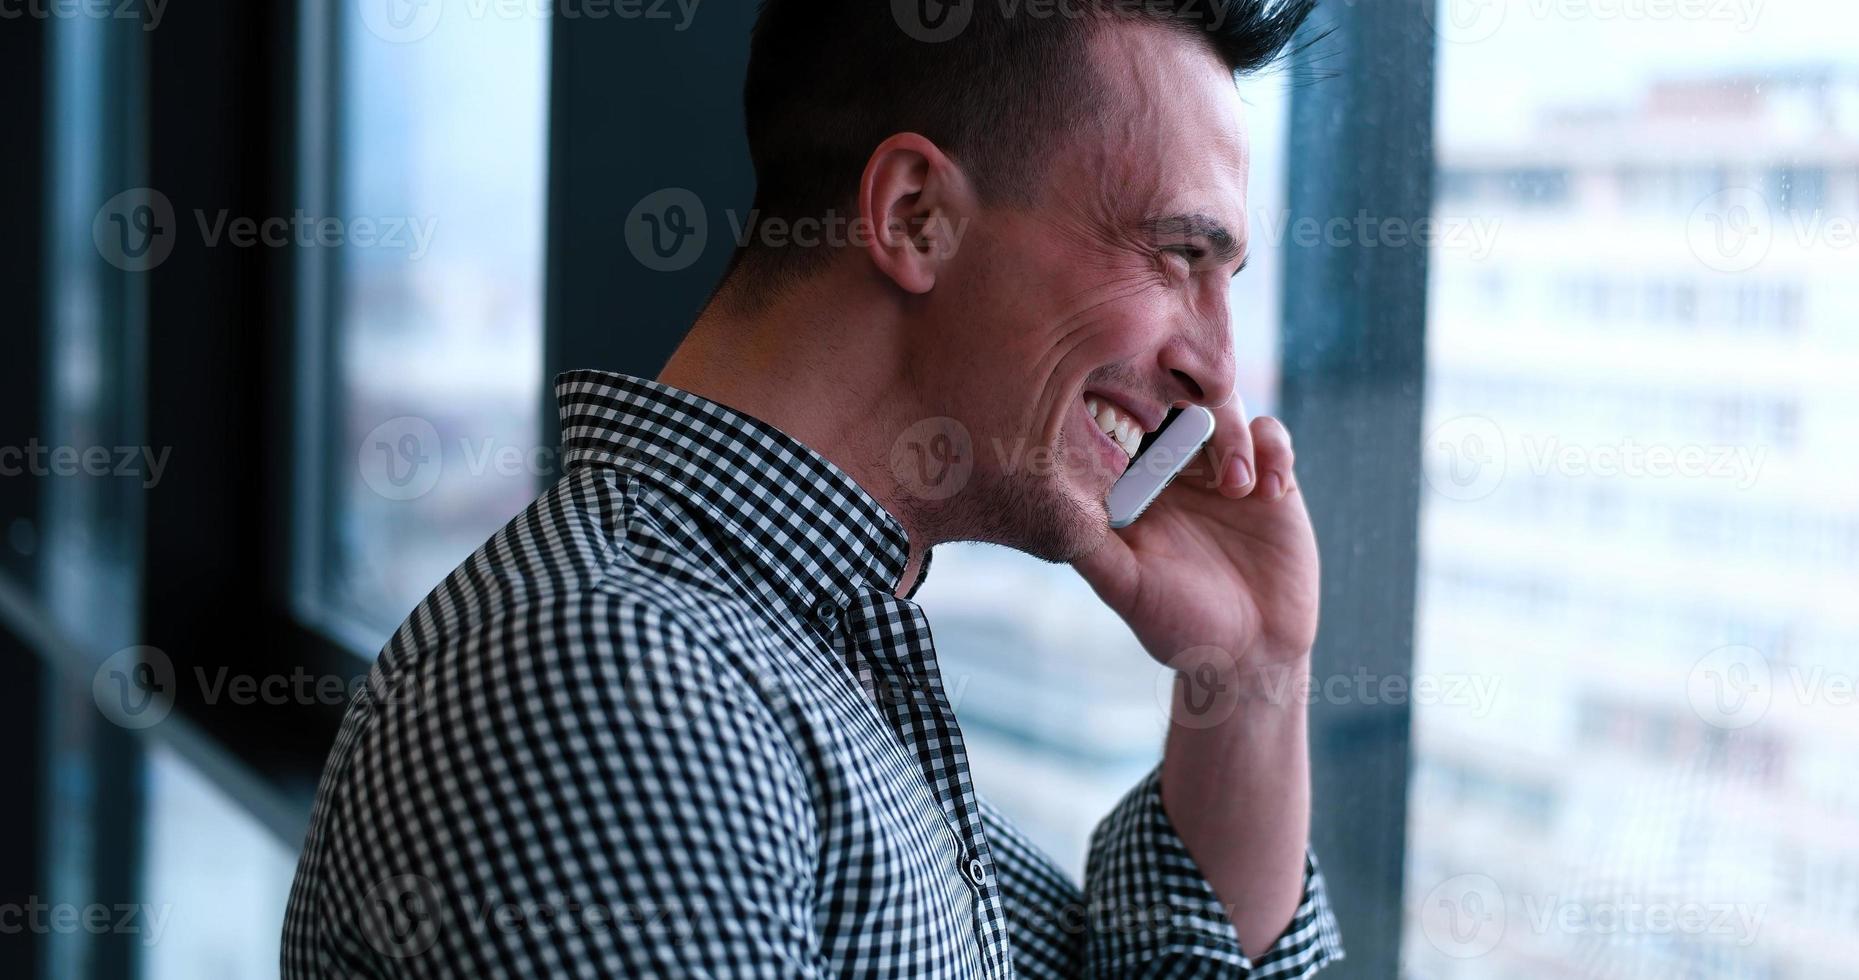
<point>827,614</point>
<point>977,875</point>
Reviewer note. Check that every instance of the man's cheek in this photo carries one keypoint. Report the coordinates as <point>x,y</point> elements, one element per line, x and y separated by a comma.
<point>1125,331</point>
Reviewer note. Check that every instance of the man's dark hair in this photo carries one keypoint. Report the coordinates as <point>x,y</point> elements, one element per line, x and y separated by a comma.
<point>994,83</point>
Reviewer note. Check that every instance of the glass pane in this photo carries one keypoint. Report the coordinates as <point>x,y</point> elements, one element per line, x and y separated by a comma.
<point>1640,526</point>
<point>90,541</point>
<point>1061,708</point>
<point>215,885</point>
<point>441,175</point>
<point>95,296</point>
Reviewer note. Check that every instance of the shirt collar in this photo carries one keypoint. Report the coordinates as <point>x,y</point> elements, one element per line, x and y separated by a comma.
<point>817,532</point>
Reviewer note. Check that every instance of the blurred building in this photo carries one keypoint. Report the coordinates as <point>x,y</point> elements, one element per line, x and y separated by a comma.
<point>1641,522</point>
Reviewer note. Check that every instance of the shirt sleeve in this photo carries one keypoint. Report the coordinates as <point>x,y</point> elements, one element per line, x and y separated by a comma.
<point>1155,915</point>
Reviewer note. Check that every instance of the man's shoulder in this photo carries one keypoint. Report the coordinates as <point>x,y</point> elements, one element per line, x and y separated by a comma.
<point>592,561</point>
<point>626,657</point>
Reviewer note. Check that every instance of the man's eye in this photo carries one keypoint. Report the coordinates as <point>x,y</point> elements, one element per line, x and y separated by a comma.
<point>1177,263</point>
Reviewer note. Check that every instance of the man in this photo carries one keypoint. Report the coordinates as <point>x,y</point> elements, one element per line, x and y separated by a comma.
<point>679,718</point>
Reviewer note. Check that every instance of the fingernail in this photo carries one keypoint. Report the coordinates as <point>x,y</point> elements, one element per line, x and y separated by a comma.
<point>1272,486</point>
<point>1242,474</point>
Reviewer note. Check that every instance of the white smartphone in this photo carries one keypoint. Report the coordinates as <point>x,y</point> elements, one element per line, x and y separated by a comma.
<point>1163,455</point>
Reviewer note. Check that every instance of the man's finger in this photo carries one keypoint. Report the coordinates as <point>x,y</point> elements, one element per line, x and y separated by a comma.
<point>1273,456</point>
<point>1229,455</point>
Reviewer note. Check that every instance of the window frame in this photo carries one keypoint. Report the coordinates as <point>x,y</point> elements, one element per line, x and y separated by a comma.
<point>1353,381</point>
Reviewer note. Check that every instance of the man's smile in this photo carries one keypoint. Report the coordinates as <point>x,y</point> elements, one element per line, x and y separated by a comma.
<point>1120,428</point>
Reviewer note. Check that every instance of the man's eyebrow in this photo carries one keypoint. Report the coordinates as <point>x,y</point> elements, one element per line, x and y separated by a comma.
<point>1219,240</point>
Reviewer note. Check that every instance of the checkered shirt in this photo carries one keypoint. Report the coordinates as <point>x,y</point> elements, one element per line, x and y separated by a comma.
<point>671,721</point>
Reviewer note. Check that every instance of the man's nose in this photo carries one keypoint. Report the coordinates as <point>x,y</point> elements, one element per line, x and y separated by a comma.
<point>1201,364</point>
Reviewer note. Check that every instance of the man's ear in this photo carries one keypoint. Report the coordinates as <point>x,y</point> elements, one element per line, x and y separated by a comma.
<point>917,202</point>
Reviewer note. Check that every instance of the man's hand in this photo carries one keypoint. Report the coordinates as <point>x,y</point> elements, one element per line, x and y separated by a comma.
<point>1219,580</point>
<point>1225,558</point>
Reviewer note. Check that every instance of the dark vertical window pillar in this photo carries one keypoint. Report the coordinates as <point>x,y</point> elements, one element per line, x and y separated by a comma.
<point>1354,370</point>
<point>22,281</point>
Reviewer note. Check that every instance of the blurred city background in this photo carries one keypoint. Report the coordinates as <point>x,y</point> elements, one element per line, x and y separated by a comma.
<point>1635,643</point>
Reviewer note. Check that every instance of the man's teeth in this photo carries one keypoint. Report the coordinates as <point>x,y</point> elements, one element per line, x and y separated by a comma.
<point>1126,432</point>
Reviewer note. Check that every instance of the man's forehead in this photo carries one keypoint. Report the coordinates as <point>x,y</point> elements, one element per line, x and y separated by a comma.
<point>1157,71</point>
<point>1176,127</point>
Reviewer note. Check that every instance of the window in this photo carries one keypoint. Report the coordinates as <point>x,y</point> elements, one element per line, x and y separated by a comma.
<point>412,234</point>
<point>1641,764</point>
<point>434,300</point>
<point>95,319</point>
<point>214,885</point>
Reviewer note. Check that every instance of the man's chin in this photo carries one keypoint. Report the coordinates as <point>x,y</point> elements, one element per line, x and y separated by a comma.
<point>1050,519</point>
<point>1066,529</point>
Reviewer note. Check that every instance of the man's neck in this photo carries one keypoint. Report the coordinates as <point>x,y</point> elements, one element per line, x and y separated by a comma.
<point>829,376</point>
